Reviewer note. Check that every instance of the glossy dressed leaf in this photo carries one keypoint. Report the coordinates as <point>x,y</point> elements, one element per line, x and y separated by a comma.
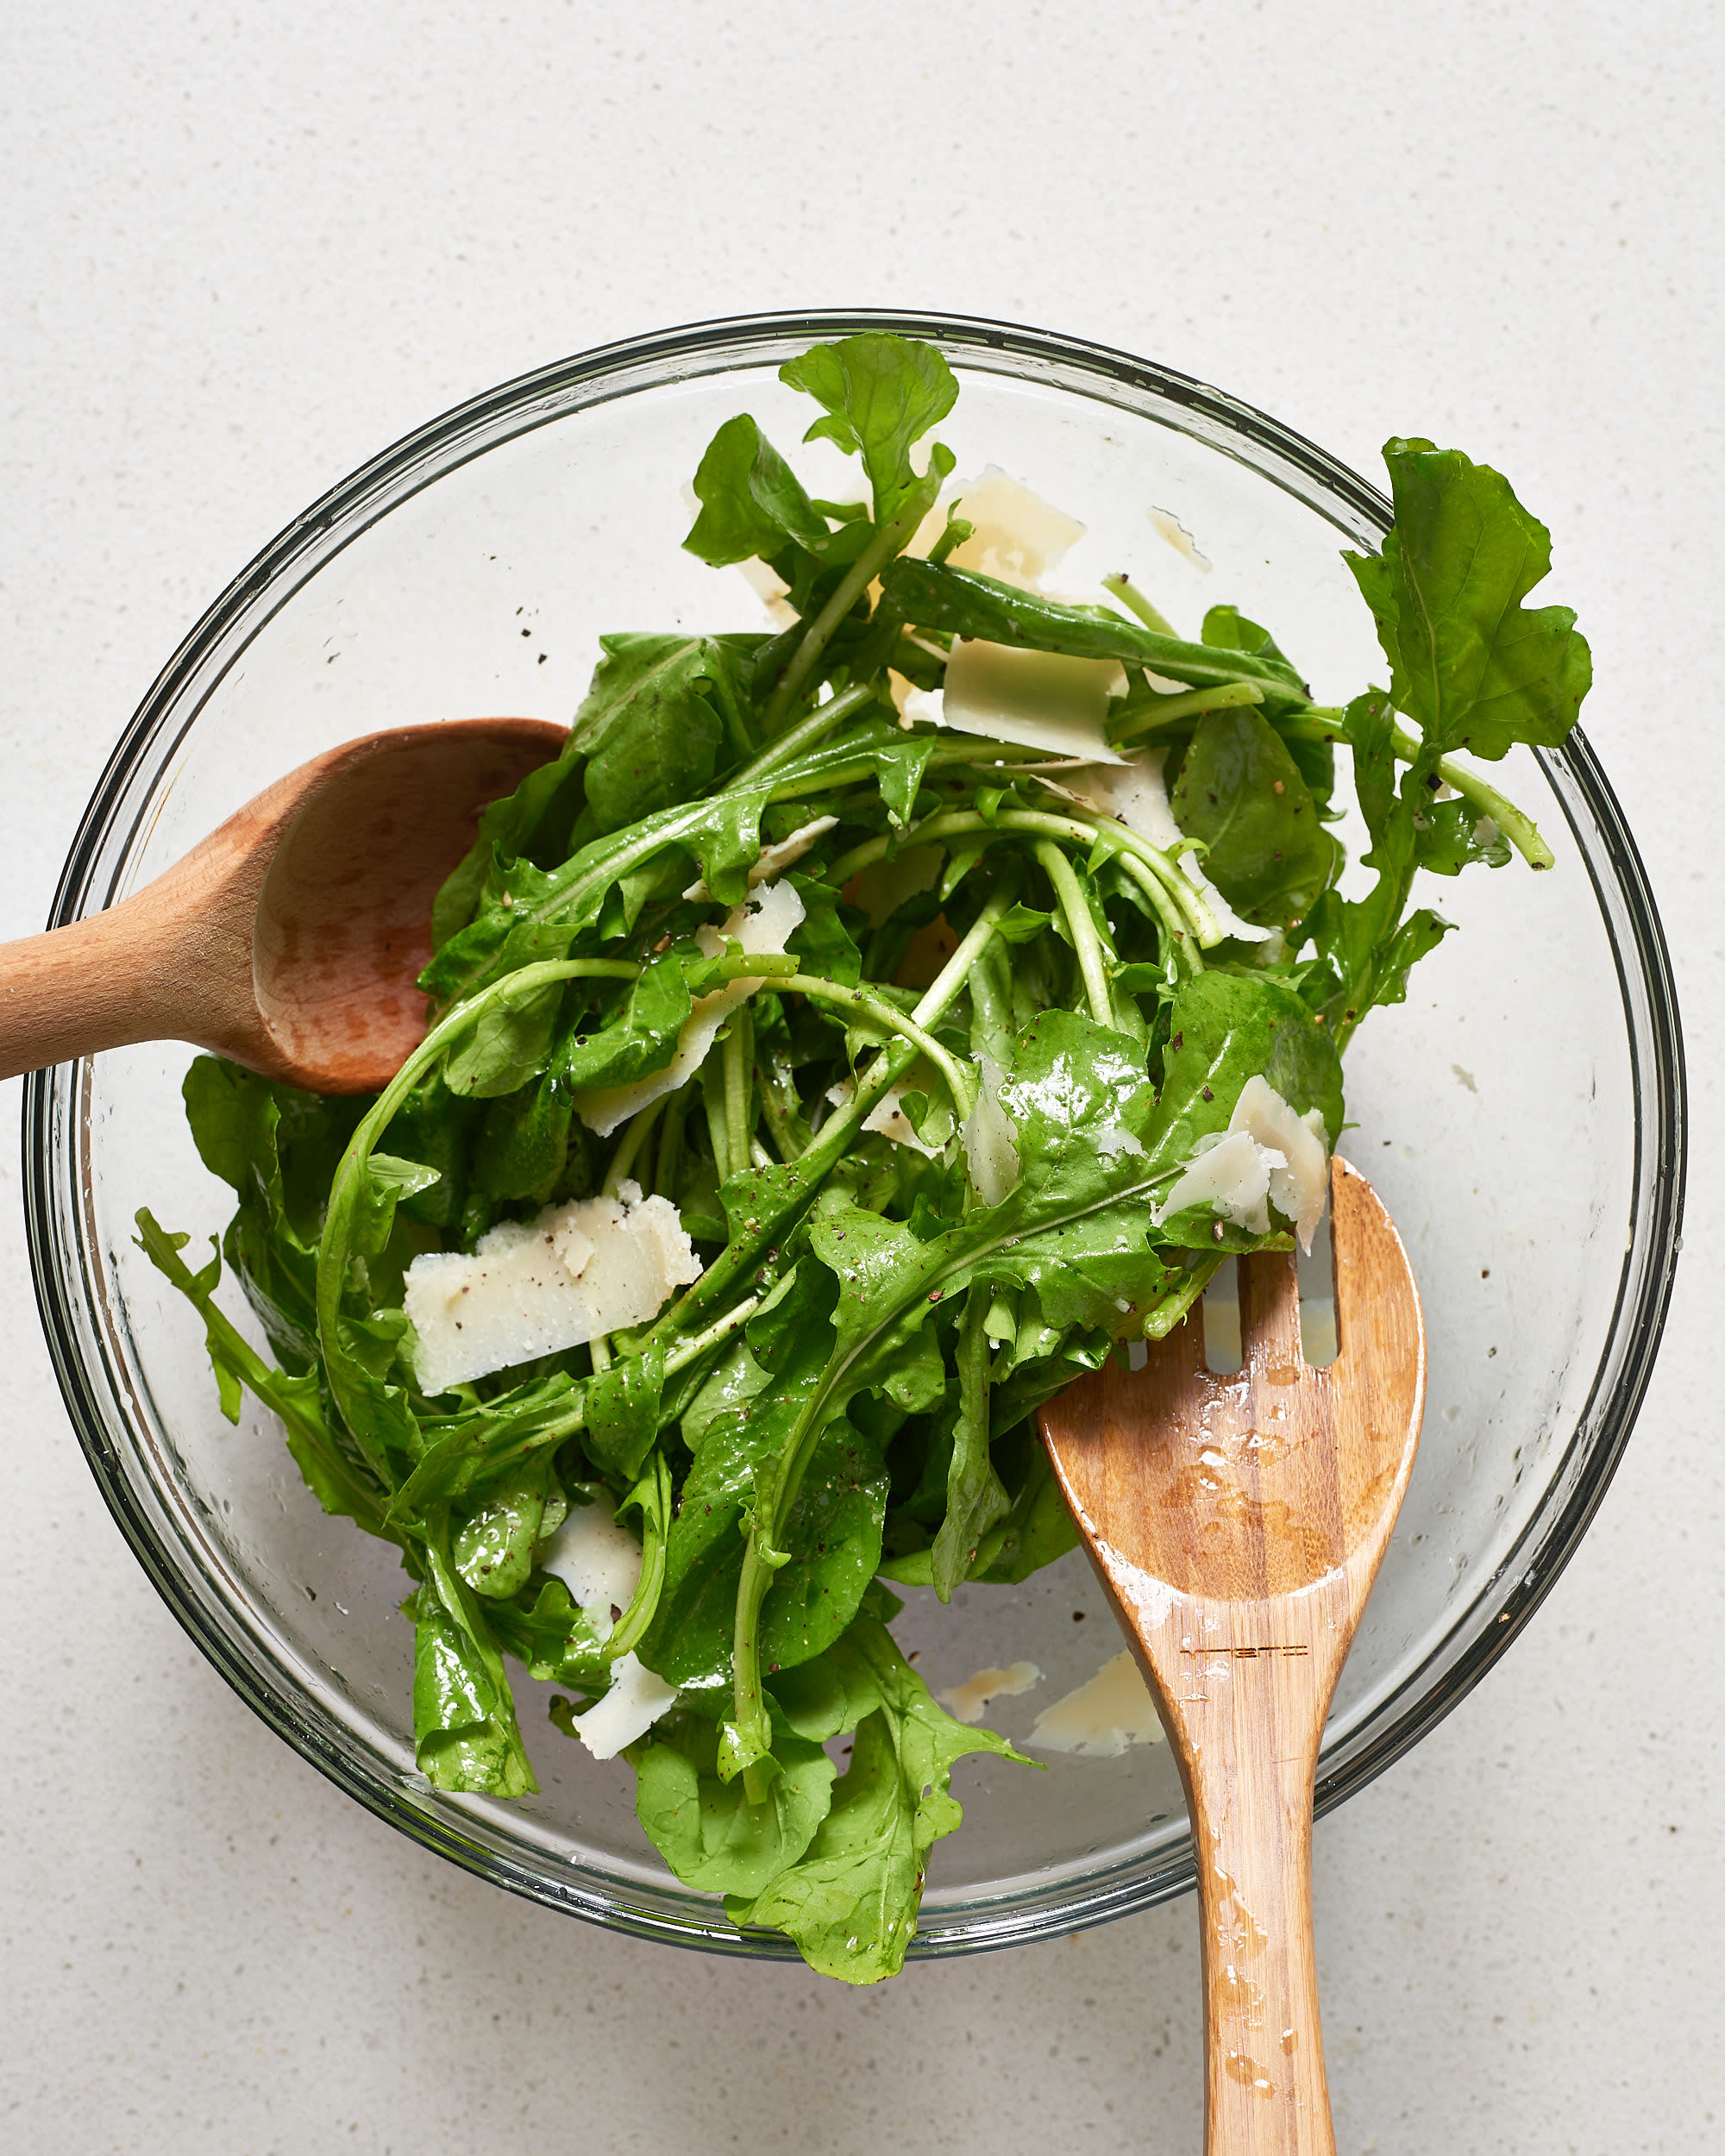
<point>751,501</point>
<point>937,596</point>
<point>851,1903</point>
<point>706,1829</point>
<point>623,1412</point>
<point>641,1040</point>
<point>1242,794</point>
<point>465,1732</point>
<point>1472,666</point>
<point>494,1547</point>
<point>882,393</point>
<point>652,723</point>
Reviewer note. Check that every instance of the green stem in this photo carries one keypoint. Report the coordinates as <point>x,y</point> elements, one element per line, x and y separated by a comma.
<point>892,538</point>
<point>1075,912</point>
<point>628,1145</point>
<point>1184,943</point>
<point>1079,825</point>
<point>882,1013</point>
<point>692,1350</point>
<point>644,1601</point>
<point>1126,590</point>
<point>739,1083</point>
<point>828,1145</point>
<point>1167,710</point>
<point>670,1161</point>
<point>1517,826</point>
<point>806,734</point>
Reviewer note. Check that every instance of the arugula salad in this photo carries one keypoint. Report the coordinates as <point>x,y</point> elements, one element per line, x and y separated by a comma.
<point>862,1028</point>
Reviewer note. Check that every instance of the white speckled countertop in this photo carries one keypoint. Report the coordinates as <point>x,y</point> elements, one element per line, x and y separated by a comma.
<point>248,247</point>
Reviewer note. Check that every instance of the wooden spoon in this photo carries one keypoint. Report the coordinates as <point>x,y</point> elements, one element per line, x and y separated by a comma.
<point>1237,1524</point>
<point>290,939</point>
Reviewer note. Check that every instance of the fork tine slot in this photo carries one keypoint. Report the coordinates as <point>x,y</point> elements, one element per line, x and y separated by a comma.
<point>1270,1311</point>
<point>1181,1351</point>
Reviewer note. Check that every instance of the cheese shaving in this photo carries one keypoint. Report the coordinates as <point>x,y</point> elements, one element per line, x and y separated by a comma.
<point>763,923</point>
<point>534,1288</point>
<point>1102,1718</point>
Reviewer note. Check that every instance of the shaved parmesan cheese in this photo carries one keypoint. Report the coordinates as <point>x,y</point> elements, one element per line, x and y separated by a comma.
<point>1300,1185</point>
<point>967,1701</point>
<point>774,859</point>
<point>636,1699</point>
<point>1016,536</point>
<point>1133,790</point>
<point>988,1135</point>
<point>1101,1719</point>
<point>764,922</point>
<point>534,1288</point>
<point>887,1116</point>
<point>771,589</point>
<point>1267,1155</point>
<point>598,1561</point>
<point>1033,699</point>
<point>1115,1140</point>
<point>881,887</point>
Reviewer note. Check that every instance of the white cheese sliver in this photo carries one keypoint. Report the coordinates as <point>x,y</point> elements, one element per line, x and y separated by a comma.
<point>1300,1185</point>
<point>1232,1174</point>
<point>967,1701</point>
<point>636,1699</point>
<point>1102,1718</point>
<point>764,922</point>
<point>988,1136</point>
<point>536,1287</point>
<point>598,1561</point>
<point>1016,536</point>
<point>774,859</point>
<point>1042,700</point>
<point>887,1116</point>
<point>1268,1155</point>
<point>1033,699</point>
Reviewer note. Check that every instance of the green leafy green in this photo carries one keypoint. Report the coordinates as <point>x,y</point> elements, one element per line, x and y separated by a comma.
<point>925,1160</point>
<point>1242,794</point>
<point>882,394</point>
<point>1469,664</point>
<point>850,1903</point>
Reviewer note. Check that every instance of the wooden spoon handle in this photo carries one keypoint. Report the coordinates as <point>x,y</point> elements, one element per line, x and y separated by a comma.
<point>1265,2090</point>
<point>142,971</point>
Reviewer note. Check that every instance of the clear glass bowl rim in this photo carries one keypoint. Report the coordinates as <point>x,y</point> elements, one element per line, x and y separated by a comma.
<point>1654,1038</point>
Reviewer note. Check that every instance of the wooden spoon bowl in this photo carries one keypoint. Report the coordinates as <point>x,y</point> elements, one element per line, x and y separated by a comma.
<point>1237,1524</point>
<point>290,940</point>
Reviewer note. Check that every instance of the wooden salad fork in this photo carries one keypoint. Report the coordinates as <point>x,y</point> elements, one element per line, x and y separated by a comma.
<point>1237,1524</point>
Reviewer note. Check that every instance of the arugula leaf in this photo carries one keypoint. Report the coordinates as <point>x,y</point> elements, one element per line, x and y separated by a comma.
<point>1469,663</point>
<point>465,1732</point>
<point>652,723</point>
<point>1366,945</point>
<point>704,1828</point>
<point>976,1497</point>
<point>642,1040</point>
<point>882,393</point>
<point>493,1548</point>
<point>968,604</point>
<point>850,1904</point>
<point>623,1412</point>
<point>1227,1026</point>
<point>1241,793</point>
<point>751,501</point>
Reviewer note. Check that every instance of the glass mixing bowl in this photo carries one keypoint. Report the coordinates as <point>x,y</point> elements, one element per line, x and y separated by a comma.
<point>1522,1114</point>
